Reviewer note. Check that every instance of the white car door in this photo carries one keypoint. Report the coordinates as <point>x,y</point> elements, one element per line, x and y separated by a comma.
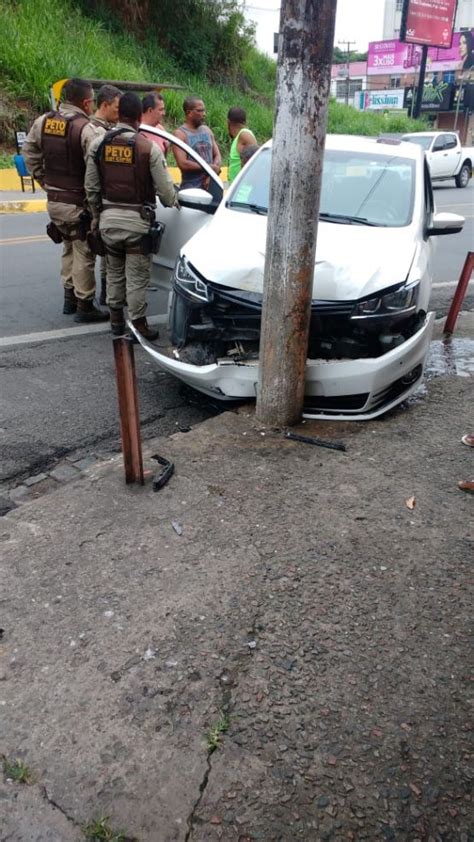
<point>453,153</point>
<point>182,223</point>
<point>442,156</point>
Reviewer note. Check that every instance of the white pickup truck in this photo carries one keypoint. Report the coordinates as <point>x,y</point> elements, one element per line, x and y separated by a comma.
<point>445,155</point>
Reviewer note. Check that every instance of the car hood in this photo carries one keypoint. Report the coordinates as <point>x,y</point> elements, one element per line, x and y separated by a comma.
<point>352,261</point>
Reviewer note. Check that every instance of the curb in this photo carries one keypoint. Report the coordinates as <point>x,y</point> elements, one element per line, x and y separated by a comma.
<point>27,206</point>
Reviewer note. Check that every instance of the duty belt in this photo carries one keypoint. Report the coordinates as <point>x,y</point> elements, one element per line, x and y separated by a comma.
<point>67,197</point>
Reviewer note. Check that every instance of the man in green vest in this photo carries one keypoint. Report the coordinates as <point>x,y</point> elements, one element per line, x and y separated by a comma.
<point>241,138</point>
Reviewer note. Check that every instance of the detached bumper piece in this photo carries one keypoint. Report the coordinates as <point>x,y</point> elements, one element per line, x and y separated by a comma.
<point>160,479</point>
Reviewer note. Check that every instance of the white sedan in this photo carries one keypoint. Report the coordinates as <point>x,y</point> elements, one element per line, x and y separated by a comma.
<point>370,326</point>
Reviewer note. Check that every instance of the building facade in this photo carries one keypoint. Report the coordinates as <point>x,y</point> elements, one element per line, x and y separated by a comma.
<point>393,17</point>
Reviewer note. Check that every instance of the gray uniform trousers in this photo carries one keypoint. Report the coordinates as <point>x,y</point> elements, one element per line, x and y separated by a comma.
<point>77,261</point>
<point>128,271</point>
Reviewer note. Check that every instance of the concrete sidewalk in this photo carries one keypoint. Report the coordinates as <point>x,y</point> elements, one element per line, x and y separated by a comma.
<point>15,201</point>
<point>272,647</point>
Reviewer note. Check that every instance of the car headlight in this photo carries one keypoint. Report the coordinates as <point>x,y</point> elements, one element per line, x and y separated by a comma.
<point>186,278</point>
<point>401,301</point>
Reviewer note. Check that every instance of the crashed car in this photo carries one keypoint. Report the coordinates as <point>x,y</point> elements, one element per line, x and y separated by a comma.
<point>370,326</point>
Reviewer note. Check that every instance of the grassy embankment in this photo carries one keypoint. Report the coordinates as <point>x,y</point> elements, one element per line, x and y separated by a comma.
<point>45,40</point>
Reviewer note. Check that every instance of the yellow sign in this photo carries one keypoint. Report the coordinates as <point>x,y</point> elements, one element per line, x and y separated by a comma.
<point>55,126</point>
<point>118,154</point>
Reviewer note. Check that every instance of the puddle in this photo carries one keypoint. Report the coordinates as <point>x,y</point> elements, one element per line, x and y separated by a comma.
<point>451,356</point>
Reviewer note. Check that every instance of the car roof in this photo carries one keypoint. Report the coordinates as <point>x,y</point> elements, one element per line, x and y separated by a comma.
<point>429,134</point>
<point>373,145</point>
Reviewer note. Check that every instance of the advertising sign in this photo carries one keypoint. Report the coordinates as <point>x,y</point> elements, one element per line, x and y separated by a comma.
<point>436,97</point>
<point>20,138</point>
<point>380,100</point>
<point>395,57</point>
<point>429,22</point>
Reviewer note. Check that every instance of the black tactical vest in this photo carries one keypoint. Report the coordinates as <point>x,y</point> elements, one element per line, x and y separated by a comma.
<point>63,156</point>
<point>124,166</point>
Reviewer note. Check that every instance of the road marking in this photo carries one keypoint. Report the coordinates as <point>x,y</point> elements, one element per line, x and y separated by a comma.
<point>34,238</point>
<point>67,333</point>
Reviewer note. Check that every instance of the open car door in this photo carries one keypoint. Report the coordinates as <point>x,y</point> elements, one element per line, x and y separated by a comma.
<point>196,208</point>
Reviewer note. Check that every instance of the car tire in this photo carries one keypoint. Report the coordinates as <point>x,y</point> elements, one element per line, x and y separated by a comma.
<point>463,176</point>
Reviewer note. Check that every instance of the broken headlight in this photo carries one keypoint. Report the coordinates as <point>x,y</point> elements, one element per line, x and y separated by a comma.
<point>189,282</point>
<point>399,302</point>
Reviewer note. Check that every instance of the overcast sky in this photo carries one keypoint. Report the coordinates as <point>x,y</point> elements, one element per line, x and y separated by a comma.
<point>357,20</point>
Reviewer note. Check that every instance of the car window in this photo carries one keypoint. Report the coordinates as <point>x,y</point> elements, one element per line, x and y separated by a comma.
<point>372,189</point>
<point>421,140</point>
<point>440,143</point>
<point>451,141</point>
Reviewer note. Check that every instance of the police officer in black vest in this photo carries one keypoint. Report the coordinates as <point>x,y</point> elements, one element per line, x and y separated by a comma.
<point>124,173</point>
<point>55,152</point>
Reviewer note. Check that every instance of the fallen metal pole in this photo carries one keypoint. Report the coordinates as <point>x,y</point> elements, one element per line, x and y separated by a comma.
<point>128,409</point>
<point>461,290</point>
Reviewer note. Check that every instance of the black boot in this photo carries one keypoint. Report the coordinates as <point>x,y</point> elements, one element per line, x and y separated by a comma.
<point>142,326</point>
<point>117,322</point>
<point>87,313</point>
<point>70,301</point>
<point>103,291</point>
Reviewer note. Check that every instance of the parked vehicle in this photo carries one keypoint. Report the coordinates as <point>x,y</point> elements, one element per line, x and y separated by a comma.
<point>370,326</point>
<point>445,155</point>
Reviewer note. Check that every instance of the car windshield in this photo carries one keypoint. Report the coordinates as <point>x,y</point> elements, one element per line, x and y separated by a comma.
<point>422,140</point>
<point>357,188</point>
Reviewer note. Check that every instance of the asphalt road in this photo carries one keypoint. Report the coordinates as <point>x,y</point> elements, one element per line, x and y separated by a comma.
<point>58,397</point>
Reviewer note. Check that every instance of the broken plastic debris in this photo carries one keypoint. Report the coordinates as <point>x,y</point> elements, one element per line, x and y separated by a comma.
<point>332,445</point>
<point>177,527</point>
<point>252,644</point>
<point>108,613</point>
<point>159,480</point>
<point>149,654</point>
<point>410,503</point>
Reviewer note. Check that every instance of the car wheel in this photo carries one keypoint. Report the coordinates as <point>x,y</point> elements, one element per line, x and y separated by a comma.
<point>463,176</point>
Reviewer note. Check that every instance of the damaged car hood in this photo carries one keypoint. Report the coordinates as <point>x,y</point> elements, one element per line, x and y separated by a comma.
<point>352,261</point>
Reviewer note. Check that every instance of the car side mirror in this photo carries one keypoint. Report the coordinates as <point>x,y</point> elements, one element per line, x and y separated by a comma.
<point>194,197</point>
<point>445,223</point>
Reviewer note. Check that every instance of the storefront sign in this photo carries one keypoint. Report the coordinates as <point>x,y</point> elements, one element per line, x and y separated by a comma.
<point>429,22</point>
<point>436,97</point>
<point>380,100</point>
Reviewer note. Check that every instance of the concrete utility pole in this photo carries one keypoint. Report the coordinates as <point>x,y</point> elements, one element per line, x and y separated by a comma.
<point>348,77</point>
<point>303,83</point>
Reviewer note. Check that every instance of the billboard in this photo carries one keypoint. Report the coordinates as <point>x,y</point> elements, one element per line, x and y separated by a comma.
<point>395,57</point>
<point>429,22</point>
<point>379,100</point>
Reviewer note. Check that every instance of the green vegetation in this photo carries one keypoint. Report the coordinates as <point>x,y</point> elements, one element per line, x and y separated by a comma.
<point>340,56</point>
<point>215,732</point>
<point>17,771</point>
<point>6,160</point>
<point>346,120</point>
<point>99,830</point>
<point>46,40</point>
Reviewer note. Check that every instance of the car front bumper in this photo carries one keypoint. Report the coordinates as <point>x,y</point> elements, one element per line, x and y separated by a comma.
<point>346,390</point>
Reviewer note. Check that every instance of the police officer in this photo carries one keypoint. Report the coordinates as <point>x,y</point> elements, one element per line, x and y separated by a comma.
<point>104,119</point>
<point>124,173</point>
<point>106,114</point>
<point>55,152</point>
